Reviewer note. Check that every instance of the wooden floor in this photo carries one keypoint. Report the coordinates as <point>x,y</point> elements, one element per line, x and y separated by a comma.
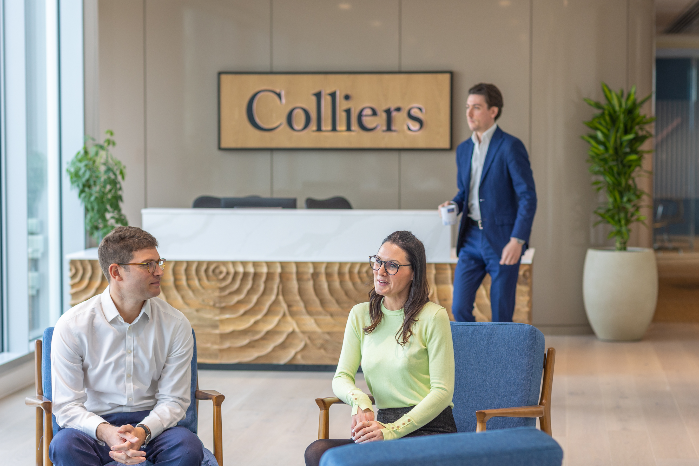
<point>613,404</point>
<point>678,292</point>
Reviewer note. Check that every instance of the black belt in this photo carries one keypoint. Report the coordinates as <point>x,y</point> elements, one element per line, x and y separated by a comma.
<point>475,223</point>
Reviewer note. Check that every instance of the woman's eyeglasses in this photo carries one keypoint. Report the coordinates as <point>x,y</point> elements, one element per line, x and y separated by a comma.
<point>391,267</point>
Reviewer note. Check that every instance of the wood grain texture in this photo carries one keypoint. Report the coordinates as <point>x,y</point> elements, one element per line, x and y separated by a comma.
<point>279,312</point>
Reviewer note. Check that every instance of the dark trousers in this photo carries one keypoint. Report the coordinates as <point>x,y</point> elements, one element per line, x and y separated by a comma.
<point>476,258</point>
<point>175,446</point>
<point>443,424</point>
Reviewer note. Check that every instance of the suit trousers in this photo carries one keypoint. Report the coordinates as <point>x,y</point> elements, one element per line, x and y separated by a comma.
<point>174,446</point>
<point>476,258</point>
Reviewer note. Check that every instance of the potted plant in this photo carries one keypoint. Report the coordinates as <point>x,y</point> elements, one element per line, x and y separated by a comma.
<point>620,285</point>
<point>97,175</point>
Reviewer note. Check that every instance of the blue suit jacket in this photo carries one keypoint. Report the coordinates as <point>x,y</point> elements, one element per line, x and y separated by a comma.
<point>507,194</point>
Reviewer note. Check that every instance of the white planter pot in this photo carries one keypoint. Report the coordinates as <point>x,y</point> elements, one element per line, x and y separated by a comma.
<point>620,290</point>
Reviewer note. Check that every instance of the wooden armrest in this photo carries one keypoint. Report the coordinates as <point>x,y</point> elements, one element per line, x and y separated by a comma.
<point>324,417</point>
<point>212,395</point>
<point>44,427</point>
<point>483,415</point>
<point>38,401</point>
<point>326,403</point>
<point>217,399</point>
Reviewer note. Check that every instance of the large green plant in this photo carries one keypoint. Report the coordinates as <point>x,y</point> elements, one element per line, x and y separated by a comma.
<point>97,175</point>
<point>619,130</point>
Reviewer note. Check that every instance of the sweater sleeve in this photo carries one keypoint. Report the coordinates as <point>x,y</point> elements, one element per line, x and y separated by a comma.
<point>350,357</point>
<point>440,353</point>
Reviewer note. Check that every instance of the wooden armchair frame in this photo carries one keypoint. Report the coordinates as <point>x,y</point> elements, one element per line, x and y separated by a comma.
<point>44,411</point>
<point>542,410</point>
<point>324,405</point>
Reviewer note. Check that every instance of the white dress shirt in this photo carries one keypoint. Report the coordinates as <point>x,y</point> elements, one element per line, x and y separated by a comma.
<point>102,365</point>
<point>480,150</point>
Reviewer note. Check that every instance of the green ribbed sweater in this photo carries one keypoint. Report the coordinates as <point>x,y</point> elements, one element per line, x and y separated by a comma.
<point>419,374</point>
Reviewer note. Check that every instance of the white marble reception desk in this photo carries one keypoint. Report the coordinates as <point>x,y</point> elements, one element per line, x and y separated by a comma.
<point>290,235</point>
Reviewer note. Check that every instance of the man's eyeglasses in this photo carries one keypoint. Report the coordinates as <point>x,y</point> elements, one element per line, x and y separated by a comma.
<point>151,265</point>
<point>391,267</point>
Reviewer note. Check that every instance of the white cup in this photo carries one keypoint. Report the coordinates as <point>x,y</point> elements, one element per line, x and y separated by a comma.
<point>448,213</point>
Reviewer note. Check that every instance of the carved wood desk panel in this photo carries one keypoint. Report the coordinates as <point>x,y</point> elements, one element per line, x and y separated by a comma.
<point>280,312</point>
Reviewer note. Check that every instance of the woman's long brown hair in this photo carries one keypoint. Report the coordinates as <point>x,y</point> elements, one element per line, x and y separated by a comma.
<point>419,289</point>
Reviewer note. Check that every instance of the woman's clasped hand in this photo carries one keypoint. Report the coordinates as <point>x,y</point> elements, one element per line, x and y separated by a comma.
<point>364,428</point>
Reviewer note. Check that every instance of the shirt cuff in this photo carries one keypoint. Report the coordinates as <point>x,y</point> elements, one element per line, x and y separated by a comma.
<point>156,427</point>
<point>90,426</point>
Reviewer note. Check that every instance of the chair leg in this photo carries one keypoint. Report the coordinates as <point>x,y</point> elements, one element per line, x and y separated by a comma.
<point>324,424</point>
<point>48,436</point>
<point>546,388</point>
<point>481,421</point>
<point>545,420</point>
<point>218,435</point>
<point>39,437</point>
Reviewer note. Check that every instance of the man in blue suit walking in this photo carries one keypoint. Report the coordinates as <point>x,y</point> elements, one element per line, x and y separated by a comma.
<point>498,200</point>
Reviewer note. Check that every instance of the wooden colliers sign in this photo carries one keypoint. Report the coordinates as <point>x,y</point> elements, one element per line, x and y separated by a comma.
<point>335,110</point>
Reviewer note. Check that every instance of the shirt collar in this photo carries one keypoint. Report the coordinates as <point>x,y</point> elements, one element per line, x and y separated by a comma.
<point>110,311</point>
<point>487,135</point>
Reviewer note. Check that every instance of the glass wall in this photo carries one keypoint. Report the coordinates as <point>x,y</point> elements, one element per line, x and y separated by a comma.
<point>3,171</point>
<point>676,167</point>
<point>34,151</point>
<point>37,165</point>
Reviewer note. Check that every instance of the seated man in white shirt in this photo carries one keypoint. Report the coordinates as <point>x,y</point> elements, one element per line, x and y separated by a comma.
<point>120,366</point>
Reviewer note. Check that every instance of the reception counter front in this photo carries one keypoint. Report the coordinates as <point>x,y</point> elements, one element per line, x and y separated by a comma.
<point>272,286</point>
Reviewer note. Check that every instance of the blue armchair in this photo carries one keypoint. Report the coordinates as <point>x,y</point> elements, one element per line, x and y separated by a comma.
<point>498,376</point>
<point>46,423</point>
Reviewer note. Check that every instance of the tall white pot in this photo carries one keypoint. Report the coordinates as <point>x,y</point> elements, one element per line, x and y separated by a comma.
<point>620,290</point>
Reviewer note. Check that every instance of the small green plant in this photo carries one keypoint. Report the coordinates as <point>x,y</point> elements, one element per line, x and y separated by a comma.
<point>615,158</point>
<point>97,175</point>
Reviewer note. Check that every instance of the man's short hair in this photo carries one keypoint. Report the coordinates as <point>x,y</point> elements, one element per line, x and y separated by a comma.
<point>119,245</point>
<point>493,96</point>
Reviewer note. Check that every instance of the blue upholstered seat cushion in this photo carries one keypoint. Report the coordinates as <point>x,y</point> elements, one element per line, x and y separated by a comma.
<point>523,446</point>
<point>498,365</point>
<point>190,420</point>
<point>46,370</point>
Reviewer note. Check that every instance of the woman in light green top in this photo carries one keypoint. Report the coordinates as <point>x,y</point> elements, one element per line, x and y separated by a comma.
<point>403,343</point>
